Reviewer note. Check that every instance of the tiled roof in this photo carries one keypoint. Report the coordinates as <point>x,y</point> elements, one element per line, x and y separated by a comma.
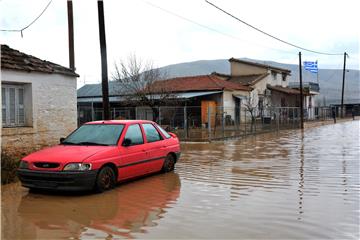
<point>287,71</point>
<point>15,60</point>
<point>286,90</point>
<point>198,83</point>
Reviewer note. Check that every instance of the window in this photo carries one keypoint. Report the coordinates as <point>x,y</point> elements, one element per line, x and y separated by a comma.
<point>283,76</point>
<point>13,112</point>
<point>95,134</point>
<point>273,74</point>
<point>165,133</point>
<point>152,135</point>
<point>134,134</point>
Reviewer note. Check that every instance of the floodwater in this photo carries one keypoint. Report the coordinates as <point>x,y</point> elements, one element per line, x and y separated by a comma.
<point>285,185</point>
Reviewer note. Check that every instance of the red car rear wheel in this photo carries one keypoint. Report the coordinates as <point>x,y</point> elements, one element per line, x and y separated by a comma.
<point>169,163</point>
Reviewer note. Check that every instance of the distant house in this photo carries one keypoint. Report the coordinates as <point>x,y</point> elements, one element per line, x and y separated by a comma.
<point>198,93</point>
<point>270,85</point>
<point>38,101</point>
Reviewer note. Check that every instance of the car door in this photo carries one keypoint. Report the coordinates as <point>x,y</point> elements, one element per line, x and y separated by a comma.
<point>132,155</point>
<point>155,147</point>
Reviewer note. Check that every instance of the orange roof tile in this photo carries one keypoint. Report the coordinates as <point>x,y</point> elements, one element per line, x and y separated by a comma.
<point>197,83</point>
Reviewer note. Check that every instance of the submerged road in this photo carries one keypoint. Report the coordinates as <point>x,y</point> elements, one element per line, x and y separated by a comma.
<point>289,184</point>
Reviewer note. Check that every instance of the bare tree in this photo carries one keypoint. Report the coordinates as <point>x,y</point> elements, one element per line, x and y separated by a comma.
<point>142,83</point>
<point>251,105</point>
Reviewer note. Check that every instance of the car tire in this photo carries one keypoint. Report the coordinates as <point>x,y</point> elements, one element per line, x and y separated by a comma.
<point>169,164</point>
<point>105,179</point>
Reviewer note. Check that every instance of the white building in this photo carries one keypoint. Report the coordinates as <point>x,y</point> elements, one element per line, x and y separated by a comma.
<point>38,100</point>
<point>270,85</point>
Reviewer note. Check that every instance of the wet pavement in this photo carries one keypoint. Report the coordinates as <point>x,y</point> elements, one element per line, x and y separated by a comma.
<point>291,184</point>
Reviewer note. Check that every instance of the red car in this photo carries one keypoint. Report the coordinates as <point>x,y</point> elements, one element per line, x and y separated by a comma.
<point>99,154</point>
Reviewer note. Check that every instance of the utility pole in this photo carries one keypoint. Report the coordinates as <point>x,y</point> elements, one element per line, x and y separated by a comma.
<point>71,35</point>
<point>301,95</point>
<point>104,73</point>
<point>343,85</point>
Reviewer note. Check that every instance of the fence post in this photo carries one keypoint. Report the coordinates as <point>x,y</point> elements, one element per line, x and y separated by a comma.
<point>159,108</point>
<point>209,122</point>
<point>92,111</point>
<point>223,122</point>
<point>245,121</point>
<point>185,123</point>
<point>278,118</point>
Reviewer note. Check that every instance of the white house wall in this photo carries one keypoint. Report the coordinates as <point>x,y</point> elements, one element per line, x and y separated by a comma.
<point>50,110</point>
<point>239,69</point>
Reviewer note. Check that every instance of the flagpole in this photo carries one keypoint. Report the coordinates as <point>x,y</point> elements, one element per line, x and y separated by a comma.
<point>301,95</point>
<point>317,73</point>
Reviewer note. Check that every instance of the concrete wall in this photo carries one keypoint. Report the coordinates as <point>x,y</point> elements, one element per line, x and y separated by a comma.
<point>276,79</point>
<point>238,69</point>
<point>229,101</point>
<point>51,110</point>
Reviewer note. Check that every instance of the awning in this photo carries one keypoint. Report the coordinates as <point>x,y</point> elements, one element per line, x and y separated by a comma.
<point>185,95</point>
<point>194,94</point>
<point>241,97</point>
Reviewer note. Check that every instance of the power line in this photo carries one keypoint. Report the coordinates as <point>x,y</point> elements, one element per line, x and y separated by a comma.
<point>269,35</point>
<point>31,23</point>
<point>212,29</point>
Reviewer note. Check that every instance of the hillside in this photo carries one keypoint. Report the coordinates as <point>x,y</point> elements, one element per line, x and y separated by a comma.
<point>330,80</point>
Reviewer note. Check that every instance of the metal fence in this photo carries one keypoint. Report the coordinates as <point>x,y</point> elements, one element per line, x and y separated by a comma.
<point>211,123</point>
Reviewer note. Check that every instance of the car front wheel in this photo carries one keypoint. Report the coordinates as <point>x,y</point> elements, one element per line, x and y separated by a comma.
<point>105,179</point>
<point>169,164</point>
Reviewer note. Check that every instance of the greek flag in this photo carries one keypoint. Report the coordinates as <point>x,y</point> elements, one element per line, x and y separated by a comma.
<point>311,66</point>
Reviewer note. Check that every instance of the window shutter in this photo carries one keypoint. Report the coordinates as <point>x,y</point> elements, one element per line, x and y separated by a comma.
<point>3,107</point>
<point>21,113</point>
<point>12,106</point>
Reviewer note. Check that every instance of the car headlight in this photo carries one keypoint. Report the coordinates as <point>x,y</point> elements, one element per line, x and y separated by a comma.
<point>24,164</point>
<point>77,167</point>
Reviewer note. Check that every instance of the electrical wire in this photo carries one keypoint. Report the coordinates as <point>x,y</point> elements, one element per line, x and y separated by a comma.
<point>269,35</point>
<point>212,29</point>
<point>31,23</point>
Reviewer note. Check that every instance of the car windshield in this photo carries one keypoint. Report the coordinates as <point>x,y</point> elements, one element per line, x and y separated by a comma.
<point>95,134</point>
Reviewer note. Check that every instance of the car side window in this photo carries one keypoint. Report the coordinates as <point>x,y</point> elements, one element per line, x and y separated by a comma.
<point>134,134</point>
<point>165,133</point>
<point>152,135</point>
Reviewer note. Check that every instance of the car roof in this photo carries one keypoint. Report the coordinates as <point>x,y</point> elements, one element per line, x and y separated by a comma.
<point>119,122</point>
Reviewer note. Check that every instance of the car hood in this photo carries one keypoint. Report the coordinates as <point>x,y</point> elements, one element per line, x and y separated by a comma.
<point>65,153</point>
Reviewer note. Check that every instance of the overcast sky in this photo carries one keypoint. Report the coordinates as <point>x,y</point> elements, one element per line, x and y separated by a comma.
<point>175,31</point>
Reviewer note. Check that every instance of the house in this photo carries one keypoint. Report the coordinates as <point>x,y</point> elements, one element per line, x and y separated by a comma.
<point>271,87</point>
<point>197,93</point>
<point>38,100</point>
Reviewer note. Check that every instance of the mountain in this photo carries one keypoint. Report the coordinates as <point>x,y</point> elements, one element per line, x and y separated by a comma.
<point>330,80</point>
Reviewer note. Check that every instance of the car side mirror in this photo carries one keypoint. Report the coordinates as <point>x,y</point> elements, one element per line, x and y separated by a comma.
<point>126,142</point>
<point>62,140</point>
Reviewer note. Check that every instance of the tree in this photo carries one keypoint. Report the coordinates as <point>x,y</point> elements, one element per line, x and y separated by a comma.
<point>251,104</point>
<point>142,84</point>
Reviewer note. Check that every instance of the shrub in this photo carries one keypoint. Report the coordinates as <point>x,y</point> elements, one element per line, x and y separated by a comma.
<point>9,165</point>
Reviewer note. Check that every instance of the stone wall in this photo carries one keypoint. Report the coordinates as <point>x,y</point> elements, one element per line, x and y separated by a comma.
<point>51,111</point>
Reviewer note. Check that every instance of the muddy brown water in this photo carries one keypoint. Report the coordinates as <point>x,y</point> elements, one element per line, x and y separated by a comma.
<point>287,185</point>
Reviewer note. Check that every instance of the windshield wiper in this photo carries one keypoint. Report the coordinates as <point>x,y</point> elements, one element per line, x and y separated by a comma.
<point>69,143</point>
<point>92,143</point>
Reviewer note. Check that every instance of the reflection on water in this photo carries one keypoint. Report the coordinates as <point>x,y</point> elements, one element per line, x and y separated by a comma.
<point>290,184</point>
<point>118,213</point>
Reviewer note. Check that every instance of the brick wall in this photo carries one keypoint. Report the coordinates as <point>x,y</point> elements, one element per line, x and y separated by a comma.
<point>51,111</point>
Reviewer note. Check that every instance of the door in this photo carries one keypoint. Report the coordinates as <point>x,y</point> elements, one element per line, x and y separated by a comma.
<point>133,154</point>
<point>205,105</point>
<point>155,147</point>
<point>237,110</point>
